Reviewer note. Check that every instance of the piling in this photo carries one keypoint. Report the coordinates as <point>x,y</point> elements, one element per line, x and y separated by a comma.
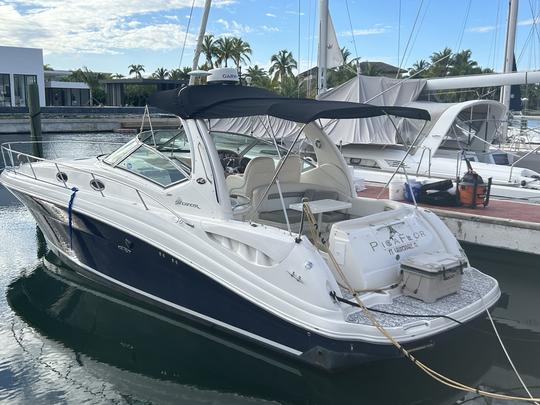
<point>35,119</point>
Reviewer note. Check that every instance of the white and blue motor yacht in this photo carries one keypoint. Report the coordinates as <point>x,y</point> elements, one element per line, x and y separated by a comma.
<point>212,226</point>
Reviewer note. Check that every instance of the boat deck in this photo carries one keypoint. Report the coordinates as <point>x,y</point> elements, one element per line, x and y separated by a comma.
<point>506,209</point>
<point>506,224</point>
<point>474,285</point>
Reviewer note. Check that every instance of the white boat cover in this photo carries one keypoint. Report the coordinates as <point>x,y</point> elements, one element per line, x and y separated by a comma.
<point>381,91</point>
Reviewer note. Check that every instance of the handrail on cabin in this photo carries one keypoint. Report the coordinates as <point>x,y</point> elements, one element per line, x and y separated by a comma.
<point>6,148</point>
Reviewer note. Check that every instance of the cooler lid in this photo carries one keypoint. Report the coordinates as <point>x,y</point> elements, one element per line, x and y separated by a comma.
<point>434,262</point>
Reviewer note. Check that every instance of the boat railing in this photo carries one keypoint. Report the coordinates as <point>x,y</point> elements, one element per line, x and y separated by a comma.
<point>520,159</point>
<point>424,148</point>
<point>16,158</point>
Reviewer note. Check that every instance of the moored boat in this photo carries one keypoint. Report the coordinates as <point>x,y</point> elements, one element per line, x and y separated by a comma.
<point>236,232</point>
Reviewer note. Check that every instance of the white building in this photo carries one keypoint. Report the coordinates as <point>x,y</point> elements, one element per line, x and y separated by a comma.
<point>18,68</point>
<point>21,66</point>
<point>62,93</point>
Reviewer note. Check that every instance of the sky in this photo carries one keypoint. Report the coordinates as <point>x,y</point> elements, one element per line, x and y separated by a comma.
<point>109,35</point>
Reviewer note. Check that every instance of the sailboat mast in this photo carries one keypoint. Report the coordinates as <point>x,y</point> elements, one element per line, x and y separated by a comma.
<point>509,50</point>
<point>323,42</point>
<point>202,31</point>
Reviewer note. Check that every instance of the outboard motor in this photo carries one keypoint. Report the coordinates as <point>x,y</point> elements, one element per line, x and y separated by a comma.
<point>472,191</point>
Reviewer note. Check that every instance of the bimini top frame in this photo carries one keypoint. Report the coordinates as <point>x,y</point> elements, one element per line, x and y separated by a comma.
<point>229,101</point>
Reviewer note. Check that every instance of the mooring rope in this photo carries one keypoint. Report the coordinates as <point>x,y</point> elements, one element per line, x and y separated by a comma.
<point>70,215</point>
<point>449,382</point>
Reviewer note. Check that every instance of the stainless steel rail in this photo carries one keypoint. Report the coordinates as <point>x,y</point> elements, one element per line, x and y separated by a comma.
<point>6,149</point>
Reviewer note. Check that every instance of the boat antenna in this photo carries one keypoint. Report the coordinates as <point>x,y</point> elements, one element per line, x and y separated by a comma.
<point>410,37</point>
<point>187,32</point>
<point>202,31</point>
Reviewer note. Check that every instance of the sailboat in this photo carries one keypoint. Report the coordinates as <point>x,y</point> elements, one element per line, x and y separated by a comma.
<point>377,148</point>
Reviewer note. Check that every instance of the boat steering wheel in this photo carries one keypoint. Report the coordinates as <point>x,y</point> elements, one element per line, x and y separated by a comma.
<point>231,161</point>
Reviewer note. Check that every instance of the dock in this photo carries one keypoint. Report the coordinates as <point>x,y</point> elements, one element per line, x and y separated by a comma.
<point>511,225</point>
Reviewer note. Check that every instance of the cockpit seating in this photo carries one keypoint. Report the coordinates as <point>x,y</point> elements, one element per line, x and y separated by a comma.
<point>259,171</point>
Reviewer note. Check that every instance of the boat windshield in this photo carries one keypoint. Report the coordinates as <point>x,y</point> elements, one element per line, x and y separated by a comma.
<point>162,156</point>
<point>238,149</point>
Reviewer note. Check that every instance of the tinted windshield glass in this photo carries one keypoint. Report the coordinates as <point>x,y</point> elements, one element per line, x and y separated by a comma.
<point>148,163</point>
<point>173,143</point>
<point>246,146</point>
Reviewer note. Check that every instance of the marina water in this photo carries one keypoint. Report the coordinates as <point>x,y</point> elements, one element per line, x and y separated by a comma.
<point>64,339</point>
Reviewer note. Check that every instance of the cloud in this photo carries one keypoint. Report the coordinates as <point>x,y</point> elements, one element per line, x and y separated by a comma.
<point>530,21</point>
<point>482,29</point>
<point>270,15</point>
<point>234,28</point>
<point>293,12</point>
<point>103,27</point>
<point>365,31</point>
<point>269,29</point>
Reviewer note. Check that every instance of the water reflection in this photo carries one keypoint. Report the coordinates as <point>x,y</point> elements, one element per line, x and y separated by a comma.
<point>105,330</point>
<point>66,340</point>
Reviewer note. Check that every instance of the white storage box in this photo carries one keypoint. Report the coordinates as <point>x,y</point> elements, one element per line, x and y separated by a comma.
<point>430,276</point>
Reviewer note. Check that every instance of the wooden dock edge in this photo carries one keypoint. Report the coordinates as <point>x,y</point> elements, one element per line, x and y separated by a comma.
<point>515,235</point>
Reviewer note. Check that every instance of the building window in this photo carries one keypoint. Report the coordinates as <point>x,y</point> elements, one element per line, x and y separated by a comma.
<point>67,97</point>
<point>5,90</point>
<point>20,84</point>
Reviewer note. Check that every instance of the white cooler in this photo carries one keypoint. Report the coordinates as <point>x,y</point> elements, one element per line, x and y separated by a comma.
<point>430,276</point>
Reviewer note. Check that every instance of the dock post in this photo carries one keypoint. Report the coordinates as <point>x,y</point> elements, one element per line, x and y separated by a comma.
<point>34,110</point>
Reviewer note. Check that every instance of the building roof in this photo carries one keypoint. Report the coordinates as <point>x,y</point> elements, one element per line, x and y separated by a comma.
<point>142,81</point>
<point>384,69</point>
<point>230,101</point>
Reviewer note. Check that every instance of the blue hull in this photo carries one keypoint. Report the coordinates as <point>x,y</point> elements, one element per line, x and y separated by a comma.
<point>138,269</point>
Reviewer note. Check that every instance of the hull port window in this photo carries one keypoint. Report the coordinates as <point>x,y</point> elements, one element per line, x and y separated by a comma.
<point>154,166</point>
<point>97,185</point>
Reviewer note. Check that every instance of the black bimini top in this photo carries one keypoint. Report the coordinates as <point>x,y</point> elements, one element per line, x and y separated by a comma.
<point>230,101</point>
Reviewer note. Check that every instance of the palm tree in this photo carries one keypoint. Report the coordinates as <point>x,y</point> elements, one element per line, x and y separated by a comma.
<point>241,53</point>
<point>289,86</point>
<point>225,49</point>
<point>282,65</point>
<point>419,69</point>
<point>345,53</point>
<point>117,76</point>
<point>256,72</point>
<point>259,77</point>
<point>180,74</point>
<point>137,70</point>
<point>161,73</point>
<point>209,49</point>
<point>464,65</point>
<point>92,79</point>
<point>441,62</point>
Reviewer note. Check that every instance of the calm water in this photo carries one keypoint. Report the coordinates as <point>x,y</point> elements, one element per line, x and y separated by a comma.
<point>64,340</point>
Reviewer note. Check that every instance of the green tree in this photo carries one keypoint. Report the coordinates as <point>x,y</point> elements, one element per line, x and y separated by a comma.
<point>289,86</point>
<point>161,73</point>
<point>137,70</point>
<point>180,73</point>
<point>117,76</point>
<point>136,95</point>
<point>92,79</point>
<point>441,63</point>
<point>419,69</point>
<point>283,64</point>
<point>241,53</point>
<point>259,77</point>
<point>342,73</point>
<point>225,50</point>
<point>464,65</point>
<point>209,49</point>
<point>47,67</point>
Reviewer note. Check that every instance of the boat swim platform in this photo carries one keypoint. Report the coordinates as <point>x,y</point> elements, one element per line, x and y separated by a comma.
<point>504,224</point>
